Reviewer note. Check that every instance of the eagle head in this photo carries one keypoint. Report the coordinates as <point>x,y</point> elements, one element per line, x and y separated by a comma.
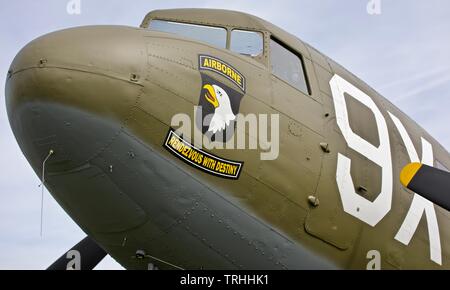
<point>223,114</point>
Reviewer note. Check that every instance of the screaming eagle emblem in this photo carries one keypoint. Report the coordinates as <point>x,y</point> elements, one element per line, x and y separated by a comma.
<point>216,118</point>
<point>223,114</point>
<point>219,104</point>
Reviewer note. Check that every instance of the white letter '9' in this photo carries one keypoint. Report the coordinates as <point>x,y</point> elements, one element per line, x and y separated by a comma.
<point>365,210</point>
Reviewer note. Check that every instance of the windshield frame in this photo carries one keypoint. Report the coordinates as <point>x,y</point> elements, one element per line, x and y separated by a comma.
<point>262,58</point>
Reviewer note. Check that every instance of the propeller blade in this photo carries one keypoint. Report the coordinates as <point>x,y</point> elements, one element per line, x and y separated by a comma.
<point>84,256</point>
<point>429,182</point>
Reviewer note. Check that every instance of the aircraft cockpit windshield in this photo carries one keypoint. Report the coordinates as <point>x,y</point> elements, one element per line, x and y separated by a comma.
<point>245,42</point>
<point>215,36</point>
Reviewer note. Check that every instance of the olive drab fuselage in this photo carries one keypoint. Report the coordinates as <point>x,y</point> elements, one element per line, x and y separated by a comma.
<point>146,130</point>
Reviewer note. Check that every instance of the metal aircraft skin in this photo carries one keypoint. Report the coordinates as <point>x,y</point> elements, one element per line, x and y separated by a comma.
<point>104,98</point>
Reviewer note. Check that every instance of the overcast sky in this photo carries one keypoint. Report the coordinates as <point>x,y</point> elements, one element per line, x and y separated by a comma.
<point>403,53</point>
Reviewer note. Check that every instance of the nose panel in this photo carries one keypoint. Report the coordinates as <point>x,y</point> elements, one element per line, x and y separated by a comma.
<point>86,69</point>
<point>114,50</point>
<point>72,92</point>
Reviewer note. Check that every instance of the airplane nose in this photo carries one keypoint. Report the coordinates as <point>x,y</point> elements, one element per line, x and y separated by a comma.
<point>71,91</point>
<point>57,78</point>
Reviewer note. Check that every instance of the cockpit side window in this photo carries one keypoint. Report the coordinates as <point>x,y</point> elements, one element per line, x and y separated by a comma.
<point>215,36</point>
<point>248,43</point>
<point>288,66</point>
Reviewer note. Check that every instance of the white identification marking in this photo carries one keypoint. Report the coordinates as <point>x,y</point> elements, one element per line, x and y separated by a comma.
<point>369,212</point>
<point>419,204</point>
<point>373,212</point>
